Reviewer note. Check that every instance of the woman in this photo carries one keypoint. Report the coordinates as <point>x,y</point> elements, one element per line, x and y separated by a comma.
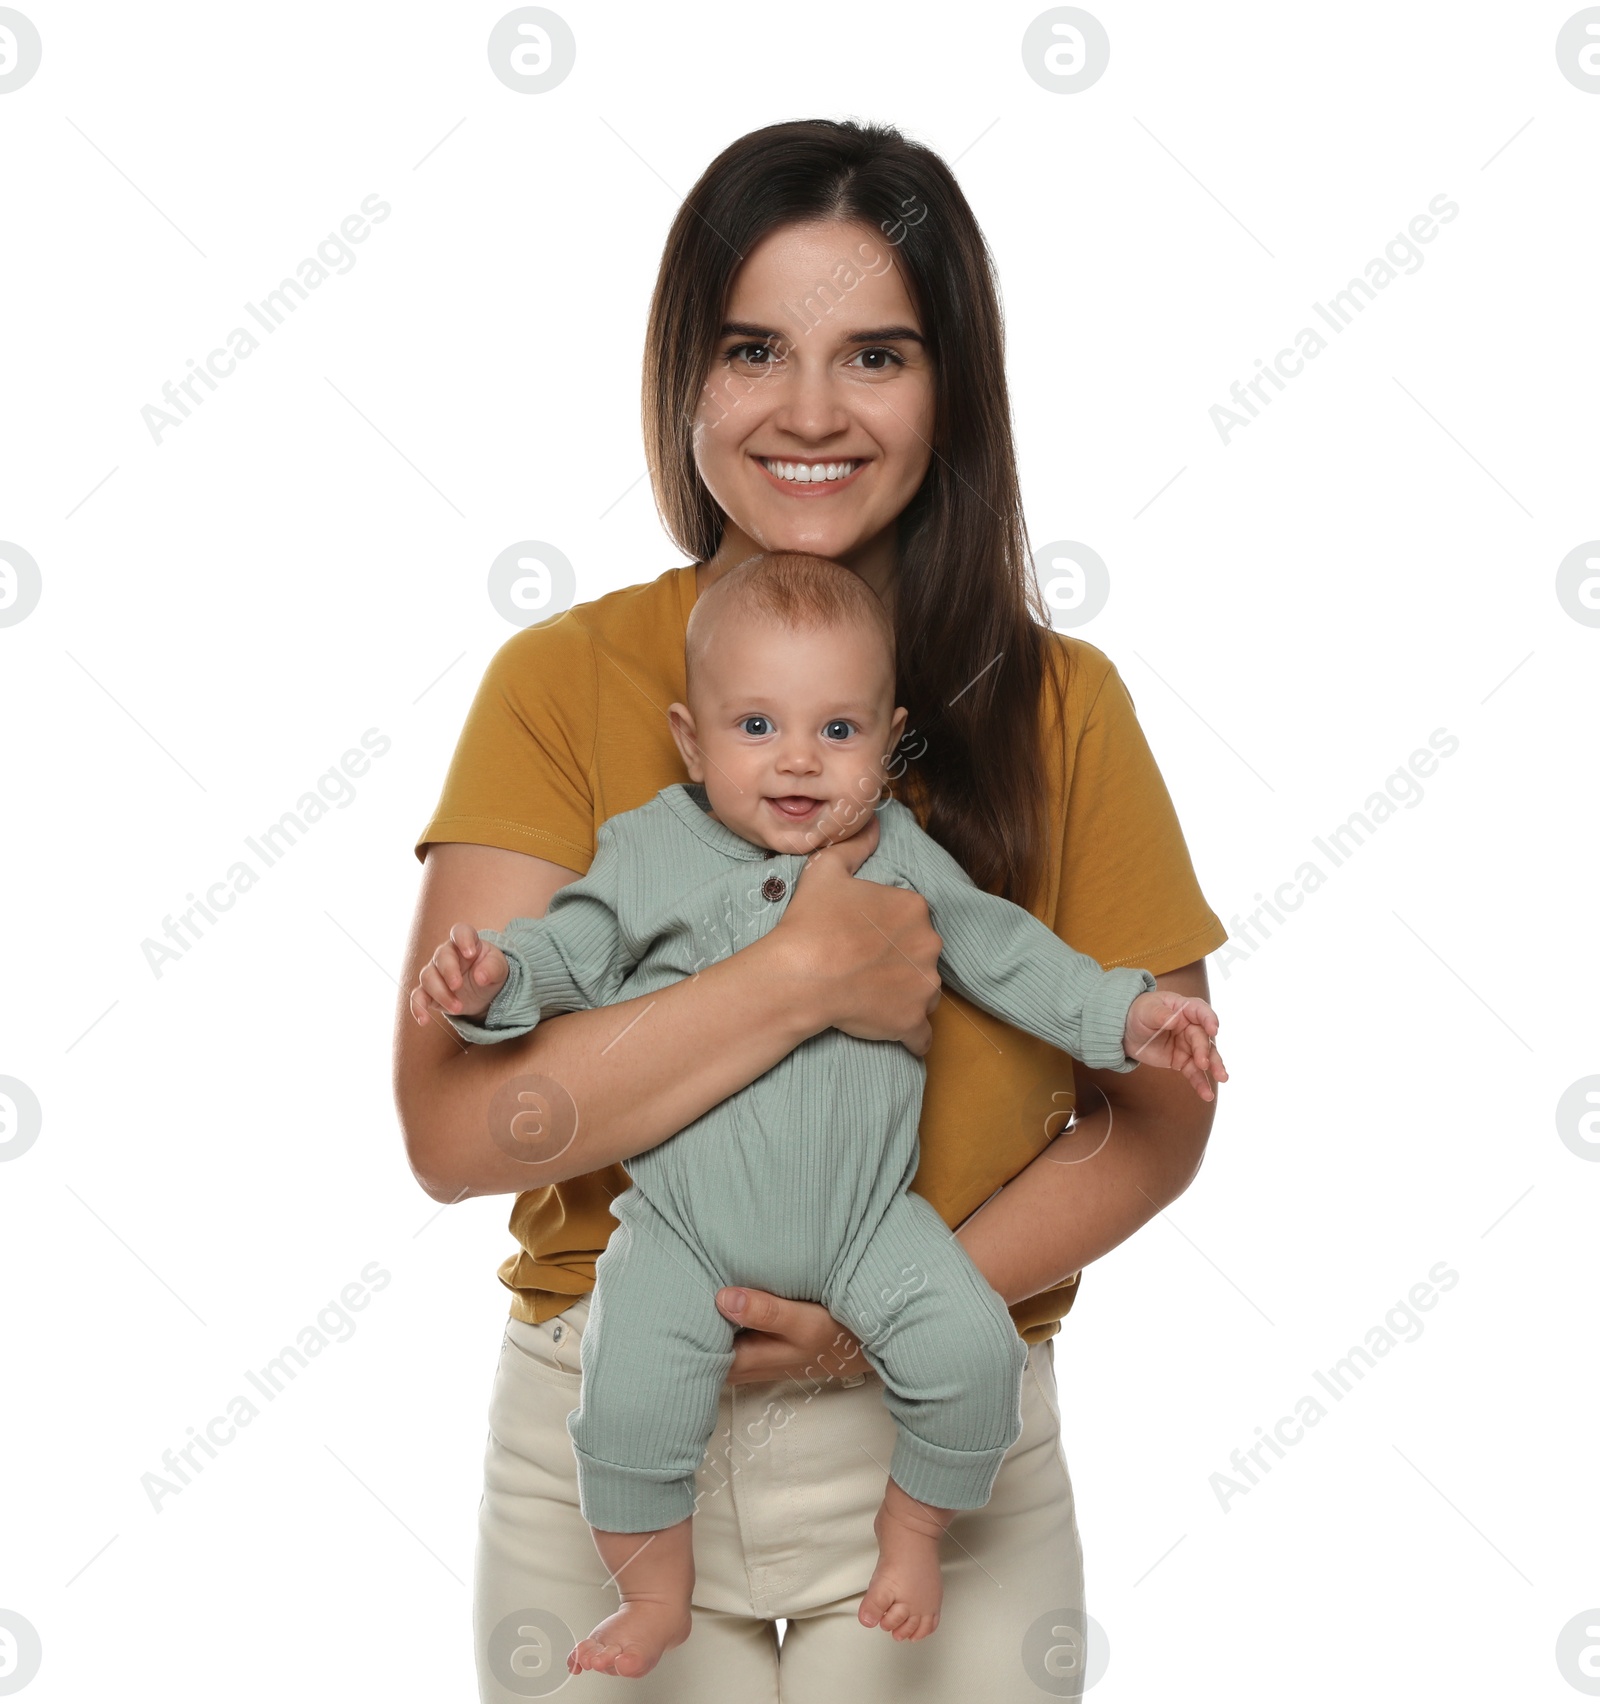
<point>823,371</point>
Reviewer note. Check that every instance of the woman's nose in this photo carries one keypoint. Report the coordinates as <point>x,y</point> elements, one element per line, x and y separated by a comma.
<point>811,407</point>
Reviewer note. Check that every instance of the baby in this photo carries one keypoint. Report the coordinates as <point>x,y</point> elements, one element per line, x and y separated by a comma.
<point>799,1183</point>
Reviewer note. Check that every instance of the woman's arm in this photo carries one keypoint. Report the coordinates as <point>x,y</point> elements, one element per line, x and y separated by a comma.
<point>1136,1148</point>
<point>851,955</point>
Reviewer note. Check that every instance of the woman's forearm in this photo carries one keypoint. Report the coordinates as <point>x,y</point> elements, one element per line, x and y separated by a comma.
<point>1092,1188</point>
<point>585,1090</point>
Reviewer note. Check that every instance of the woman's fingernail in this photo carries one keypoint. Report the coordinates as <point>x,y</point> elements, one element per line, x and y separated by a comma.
<point>735,1302</point>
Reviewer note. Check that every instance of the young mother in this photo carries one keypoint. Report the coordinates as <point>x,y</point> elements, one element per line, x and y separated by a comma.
<point>824,371</point>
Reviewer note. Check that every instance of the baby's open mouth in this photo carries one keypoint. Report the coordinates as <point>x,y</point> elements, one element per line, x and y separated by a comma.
<point>796,805</point>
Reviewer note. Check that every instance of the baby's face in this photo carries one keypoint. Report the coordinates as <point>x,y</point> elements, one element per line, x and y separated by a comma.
<point>790,730</point>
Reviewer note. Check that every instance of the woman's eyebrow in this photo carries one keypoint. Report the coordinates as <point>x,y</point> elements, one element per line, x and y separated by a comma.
<point>887,334</point>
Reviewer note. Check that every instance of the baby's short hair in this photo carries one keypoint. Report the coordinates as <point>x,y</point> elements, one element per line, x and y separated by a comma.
<point>792,588</point>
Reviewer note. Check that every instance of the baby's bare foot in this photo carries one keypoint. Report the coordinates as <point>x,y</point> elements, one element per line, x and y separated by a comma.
<point>630,1642</point>
<point>907,1587</point>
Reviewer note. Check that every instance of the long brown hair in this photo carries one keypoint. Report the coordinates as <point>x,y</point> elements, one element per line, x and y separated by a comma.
<point>972,635</point>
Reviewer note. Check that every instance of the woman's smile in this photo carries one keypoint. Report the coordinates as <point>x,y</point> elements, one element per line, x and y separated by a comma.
<point>820,478</point>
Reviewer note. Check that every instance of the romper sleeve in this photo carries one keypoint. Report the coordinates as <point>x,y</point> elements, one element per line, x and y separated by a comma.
<point>571,959</point>
<point>1005,960</point>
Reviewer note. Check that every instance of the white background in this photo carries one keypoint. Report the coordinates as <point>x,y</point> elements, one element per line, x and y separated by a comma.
<point>224,614</point>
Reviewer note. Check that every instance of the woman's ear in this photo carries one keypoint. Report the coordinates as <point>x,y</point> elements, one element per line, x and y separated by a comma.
<point>681,721</point>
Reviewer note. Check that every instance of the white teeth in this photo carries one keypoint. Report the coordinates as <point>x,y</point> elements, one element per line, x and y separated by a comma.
<point>809,473</point>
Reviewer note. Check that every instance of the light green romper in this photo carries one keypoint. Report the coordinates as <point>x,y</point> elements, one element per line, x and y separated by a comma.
<point>797,1184</point>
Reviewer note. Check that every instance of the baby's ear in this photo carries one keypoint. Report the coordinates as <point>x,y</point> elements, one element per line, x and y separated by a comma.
<point>681,721</point>
<point>897,726</point>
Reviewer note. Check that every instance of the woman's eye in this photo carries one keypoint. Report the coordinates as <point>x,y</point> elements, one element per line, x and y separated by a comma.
<point>897,359</point>
<point>749,353</point>
<point>838,730</point>
<point>756,726</point>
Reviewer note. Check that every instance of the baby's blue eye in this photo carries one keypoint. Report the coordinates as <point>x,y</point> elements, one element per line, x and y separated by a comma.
<point>756,726</point>
<point>838,730</point>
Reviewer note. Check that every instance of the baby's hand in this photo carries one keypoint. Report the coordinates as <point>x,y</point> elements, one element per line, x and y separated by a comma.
<point>461,979</point>
<point>1174,1031</point>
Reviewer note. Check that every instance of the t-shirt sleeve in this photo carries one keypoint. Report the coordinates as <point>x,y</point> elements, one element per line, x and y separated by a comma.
<point>522,774</point>
<point>1128,893</point>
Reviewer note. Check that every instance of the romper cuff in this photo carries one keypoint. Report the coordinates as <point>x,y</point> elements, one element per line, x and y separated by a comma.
<point>1105,1017</point>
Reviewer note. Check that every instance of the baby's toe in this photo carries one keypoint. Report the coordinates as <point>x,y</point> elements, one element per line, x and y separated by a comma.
<point>895,1617</point>
<point>600,1657</point>
<point>873,1605</point>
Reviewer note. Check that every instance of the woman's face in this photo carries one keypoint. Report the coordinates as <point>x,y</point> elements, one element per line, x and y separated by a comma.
<point>815,422</point>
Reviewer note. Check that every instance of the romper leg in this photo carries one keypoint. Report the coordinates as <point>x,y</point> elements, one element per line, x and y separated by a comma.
<point>655,1353</point>
<point>946,1349</point>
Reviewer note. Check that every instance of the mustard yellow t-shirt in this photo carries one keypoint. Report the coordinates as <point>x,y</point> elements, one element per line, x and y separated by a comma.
<point>569,727</point>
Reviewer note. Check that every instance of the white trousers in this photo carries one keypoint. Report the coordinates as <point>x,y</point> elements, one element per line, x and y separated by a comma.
<point>782,1529</point>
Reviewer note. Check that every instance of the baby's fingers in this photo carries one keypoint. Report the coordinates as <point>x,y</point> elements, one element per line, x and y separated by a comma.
<point>445,966</point>
<point>423,1006</point>
<point>477,956</point>
<point>1219,1071</point>
<point>1198,1080</point>
<point>1201,1063</point>
<point>1199,1013</point>
<point>1205,1049</point>
<point>464,938</point>
<point>437,988</point>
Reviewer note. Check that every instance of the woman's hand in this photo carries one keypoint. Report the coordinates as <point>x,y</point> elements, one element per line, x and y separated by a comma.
<point>784,1339</point>
<point>861,956</point>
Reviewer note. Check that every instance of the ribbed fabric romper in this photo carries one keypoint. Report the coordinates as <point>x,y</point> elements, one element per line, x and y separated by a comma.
<point>799,1183</point>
